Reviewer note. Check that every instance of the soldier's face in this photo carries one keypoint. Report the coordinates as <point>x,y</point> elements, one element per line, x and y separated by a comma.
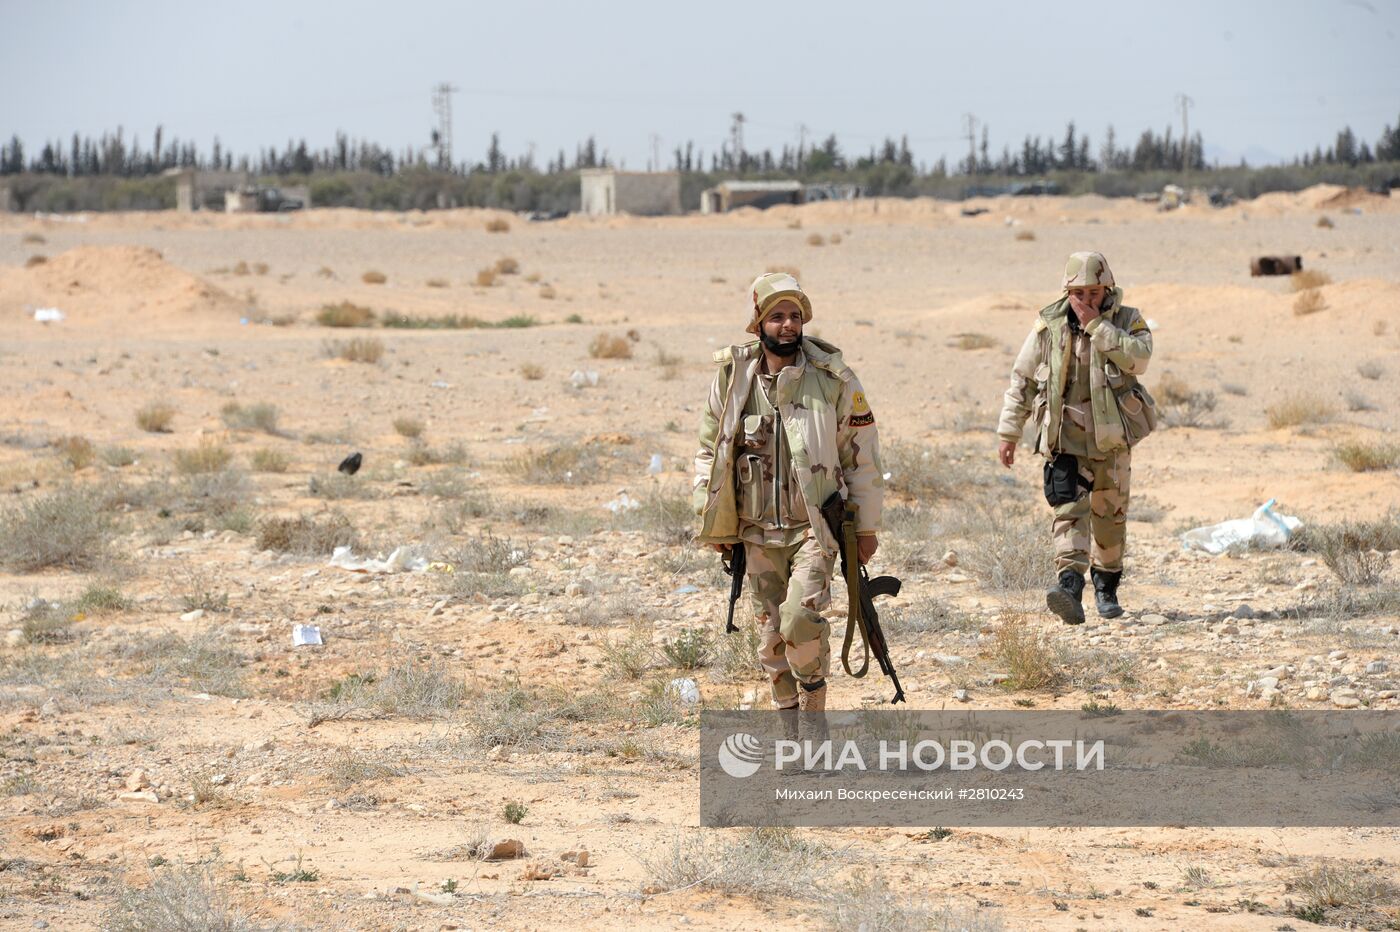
<point>784,322</point>
<point>1091,295</point>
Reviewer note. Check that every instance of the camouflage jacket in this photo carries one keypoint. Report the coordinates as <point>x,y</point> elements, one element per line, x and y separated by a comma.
<point>1120,348</point>
<point>829,431</point>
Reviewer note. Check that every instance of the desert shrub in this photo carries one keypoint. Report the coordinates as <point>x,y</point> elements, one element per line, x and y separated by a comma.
<point>339,486</point>
<point>421,454</point>
<point>34,260</point>
<point>531,372</point>
<point>1009,550</point>
<point>1181,405</point>
<point>497,225</point>
<point>305,534</point>
<point>118,456</point>
<point>409,427</point>
<point>67,528</point>
<point>178,899</point>
<point>437,283</point>
<point>1356,551</point>
<point>692,649</point>
<point>665,513</point>
<point>155,418</point>
<point>261,416</point>
<point>1370,370</point>
<point>764,862</point>
<point>562,464</point>
<point>1311,278</point>
<point>1325,222</point>
<point>1298,410</point>
<point>507,266</point>
<point>925,473</point>
<point>209,456</point>
<point>1308,302</point>
<point>361,349</point>
<point>485,278</point>
<point>344,314</point>
<point>1344,895</point>
<point>547,293</point>
<point>373,277</point>
<point>1026,655</point>
<point>1025,236</point>
<point>412,689</point>
<point>515,322</point>
<point>973,341</point>
<point>609,346</point>
<point>816,239</point>
<point>269,460</point>
<point>77,452</point>
<point>1367,457</point>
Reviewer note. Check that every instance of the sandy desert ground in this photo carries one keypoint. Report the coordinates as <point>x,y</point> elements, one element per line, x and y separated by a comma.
<point>164,746</point>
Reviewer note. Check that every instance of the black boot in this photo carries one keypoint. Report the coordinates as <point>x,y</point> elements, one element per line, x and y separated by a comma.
<point>1106,592</point>
<point>1065,599</point>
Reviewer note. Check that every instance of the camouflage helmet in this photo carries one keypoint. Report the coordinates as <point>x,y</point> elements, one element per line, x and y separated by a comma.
<point>770,288</point>
<point>1086,269</point>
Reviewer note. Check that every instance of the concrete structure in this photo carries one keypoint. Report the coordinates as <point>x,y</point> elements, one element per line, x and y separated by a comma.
<point>7,199</point>
<point>604,192</point>
<point>193,189</point>
<point>728,195</point>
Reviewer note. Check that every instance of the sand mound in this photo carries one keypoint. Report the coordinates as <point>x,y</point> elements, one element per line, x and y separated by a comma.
<point>95,283</point>
<point>1353,197</point>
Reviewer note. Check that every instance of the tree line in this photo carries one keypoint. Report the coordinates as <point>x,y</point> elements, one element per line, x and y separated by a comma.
<point>113,155</point>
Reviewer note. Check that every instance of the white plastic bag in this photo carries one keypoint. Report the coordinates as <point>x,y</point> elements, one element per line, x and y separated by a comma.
<point>1266,530</point>
<point>402,560</point>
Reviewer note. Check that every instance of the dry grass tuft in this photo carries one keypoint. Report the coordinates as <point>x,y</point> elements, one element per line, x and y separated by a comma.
<point>1180,405</point>
<point>437,283</point>
<point>373,277</point>
<point>1025,236</point>
<point>210,456</point>
<point>547,292</point>
<point>485,278</point>
<point>1358,552</point>
<point>498,225</point>
<point>1026,655</point>
<point>261,416</point>
<point>507,266</point>
<point>610,346</point>
<point>360,349</point>
<point>35,260</point>
<point>531,372</point>
<point>973,341</point>
<point>77,452</point>
<point>155,418</point>
<point>66,528</point>
<point>305,534</point>
<point>816,239</point>
<point>563,464</point>
<point>1325,222</point>
<point>178,899</point>
<point>1297,411</point>
<point>1308,302</point>
<point>344,314</point>
<point>409,427</point>
<point>269,460</point>
<point>1309,278</point>
<point>1367,457</point>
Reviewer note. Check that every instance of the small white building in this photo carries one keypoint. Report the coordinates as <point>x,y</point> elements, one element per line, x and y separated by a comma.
<point>605,191</point>
<point>728,195</point>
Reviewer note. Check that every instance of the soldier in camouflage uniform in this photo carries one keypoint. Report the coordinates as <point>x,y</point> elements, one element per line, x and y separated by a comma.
<point>1077,378</point>
<point>787,424</point>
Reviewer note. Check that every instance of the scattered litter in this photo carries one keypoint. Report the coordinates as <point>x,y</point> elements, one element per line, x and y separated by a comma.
<point>623,503</point>
<point>441,384</point>
<point>581,379</point>
<point>685,690</point>
<point>1266,530</point>
<point>306,636</point>
<point>402,560</point>
<point>655,466</point>
<point>686,590</point>
<point>48,315</point>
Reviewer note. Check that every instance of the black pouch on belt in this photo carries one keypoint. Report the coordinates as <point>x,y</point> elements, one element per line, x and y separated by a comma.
<point>1062,481</point>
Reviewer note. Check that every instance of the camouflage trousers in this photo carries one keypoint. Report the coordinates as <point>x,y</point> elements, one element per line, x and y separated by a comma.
<point>1093,529</point>
<point>789,586</point>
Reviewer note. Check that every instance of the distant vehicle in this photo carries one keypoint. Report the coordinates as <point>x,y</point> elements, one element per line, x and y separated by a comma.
<point>535,216</point>
<point>983,190</point>
<point>273,201</point>
<point>1034,188</point>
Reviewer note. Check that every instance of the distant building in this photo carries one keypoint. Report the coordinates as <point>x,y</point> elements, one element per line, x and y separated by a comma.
<point>728,195</point>
<point>201,190</point>
<point>605,191</point>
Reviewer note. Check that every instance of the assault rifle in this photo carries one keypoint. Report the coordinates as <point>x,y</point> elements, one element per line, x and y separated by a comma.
<point>861,591</point>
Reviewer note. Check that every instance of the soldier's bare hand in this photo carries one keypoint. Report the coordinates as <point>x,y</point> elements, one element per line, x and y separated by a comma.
<point>1007,453</point>
<point>866,545</point>
<point>721,548</point>
<point>1083,310</point>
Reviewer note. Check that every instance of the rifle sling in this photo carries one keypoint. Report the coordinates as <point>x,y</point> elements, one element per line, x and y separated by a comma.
<point>850,566</point>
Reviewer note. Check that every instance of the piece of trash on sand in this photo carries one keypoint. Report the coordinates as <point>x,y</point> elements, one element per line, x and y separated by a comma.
<point>685,690</point>
<point>402,560</point>
<point>306,636</point>
<point>655,466</point>
<point>580,379</point>
<point>48,315</point>
<point>622,503</point>
<point>1265,530</point>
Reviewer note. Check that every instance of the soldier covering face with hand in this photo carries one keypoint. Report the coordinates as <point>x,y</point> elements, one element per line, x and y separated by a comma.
<point>785,426</point>
<point>1076,378</point>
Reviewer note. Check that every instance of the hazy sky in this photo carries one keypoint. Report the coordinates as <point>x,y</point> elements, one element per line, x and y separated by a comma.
<point>1279,76</point>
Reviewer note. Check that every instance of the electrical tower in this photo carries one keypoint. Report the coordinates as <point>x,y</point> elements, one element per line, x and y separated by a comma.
<point>1185,103</point>
<point>737,132</point>
<point>442,136</point>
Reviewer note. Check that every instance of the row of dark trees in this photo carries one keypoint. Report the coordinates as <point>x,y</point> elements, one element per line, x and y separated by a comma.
<point>113,155</point>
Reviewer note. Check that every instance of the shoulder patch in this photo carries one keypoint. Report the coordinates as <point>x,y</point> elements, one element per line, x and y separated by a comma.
<point>1138,326</point>
<point>861,415</point>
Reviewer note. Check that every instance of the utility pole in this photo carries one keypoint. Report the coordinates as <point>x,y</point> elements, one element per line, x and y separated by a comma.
<point>1185,103</point>
<point>655,153</point>
<point>970,129</point>
<point>442,105</point>
<point>801,144</point>
<point>737,132</point>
